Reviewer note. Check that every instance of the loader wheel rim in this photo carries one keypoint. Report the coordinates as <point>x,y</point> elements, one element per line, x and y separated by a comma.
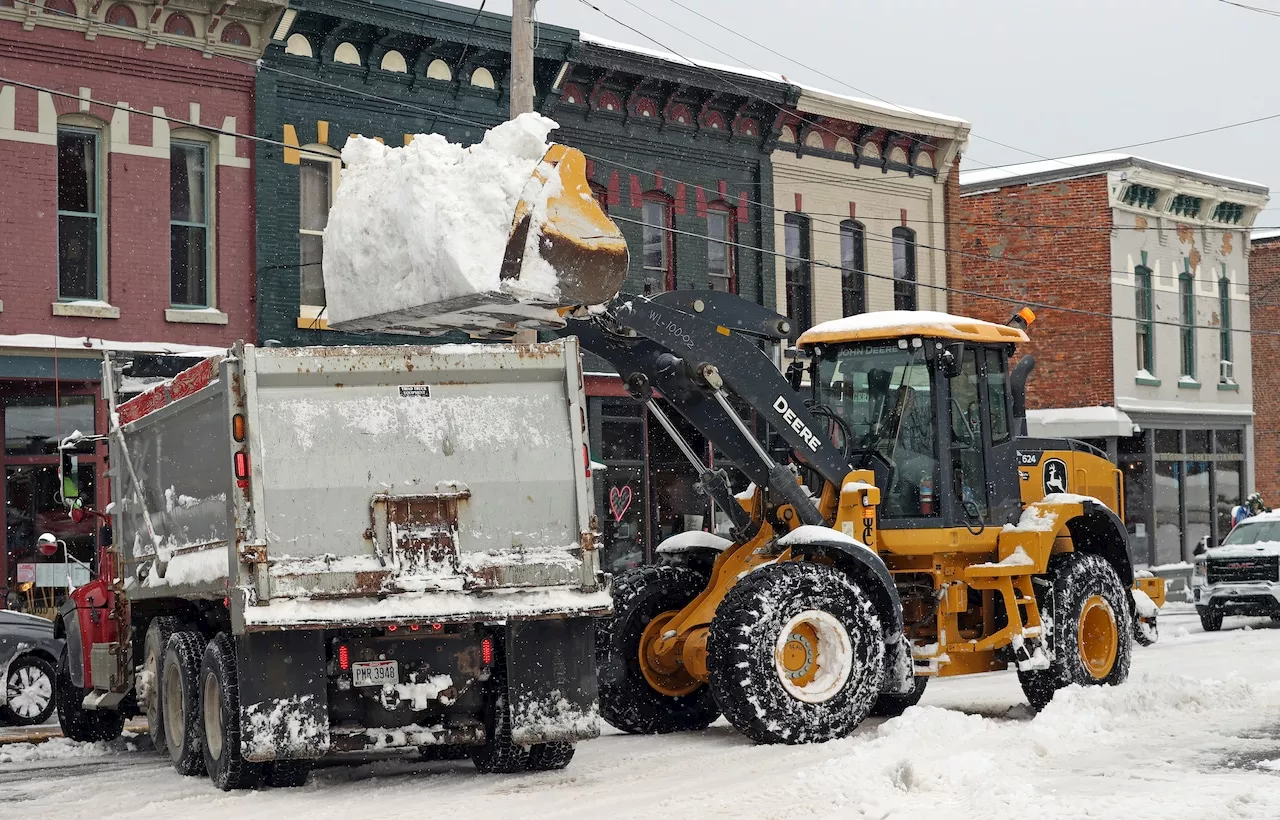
<point>1098,637</point>
<point>663,672</point>
<point>211,701</point>
<point>813,656</point>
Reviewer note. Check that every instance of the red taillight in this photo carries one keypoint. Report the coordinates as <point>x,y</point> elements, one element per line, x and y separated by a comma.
<point>344,658</point>
<point>413,627</point>
<point>242,465</point>
<point>486,651</point>
<point>586,460</point>
<point>392,627</point>
<point>437,627</point>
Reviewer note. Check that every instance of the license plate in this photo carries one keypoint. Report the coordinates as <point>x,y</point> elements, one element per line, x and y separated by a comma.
<point>375,673</point>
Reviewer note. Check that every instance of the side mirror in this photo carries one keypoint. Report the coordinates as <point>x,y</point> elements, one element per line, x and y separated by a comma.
<point>952,359</point>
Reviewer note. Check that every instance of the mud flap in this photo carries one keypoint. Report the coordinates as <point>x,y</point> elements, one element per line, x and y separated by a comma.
<point>551,678</point>
<point>284,701</point>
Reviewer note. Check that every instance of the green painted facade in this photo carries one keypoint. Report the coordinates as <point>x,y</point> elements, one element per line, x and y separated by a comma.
<point>640,146</point>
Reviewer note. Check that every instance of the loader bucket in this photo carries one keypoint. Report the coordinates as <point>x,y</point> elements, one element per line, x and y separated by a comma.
<point>579,241</point>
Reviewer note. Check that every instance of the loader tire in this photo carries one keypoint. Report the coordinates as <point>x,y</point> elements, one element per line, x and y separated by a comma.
<point>892,704</point>
<point>1091,635</point>
<point>180,687</point>
<point>78,723</point>
<point>796,654</point>
<point>220,716</point>
<point>148,688</point>
<point>546,757</point>
<point>627,700</point>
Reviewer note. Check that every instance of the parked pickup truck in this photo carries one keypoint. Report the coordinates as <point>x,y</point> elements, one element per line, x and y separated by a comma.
<point>339,549</point>
<point>1242,575</point>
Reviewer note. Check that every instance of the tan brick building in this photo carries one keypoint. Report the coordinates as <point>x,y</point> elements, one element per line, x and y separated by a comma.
<point>860,191</point>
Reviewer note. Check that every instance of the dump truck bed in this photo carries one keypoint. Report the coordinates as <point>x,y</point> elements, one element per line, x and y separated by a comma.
<point>373,484</point>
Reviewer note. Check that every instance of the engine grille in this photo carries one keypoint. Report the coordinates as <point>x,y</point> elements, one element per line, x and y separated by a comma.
<point>1236,570</point>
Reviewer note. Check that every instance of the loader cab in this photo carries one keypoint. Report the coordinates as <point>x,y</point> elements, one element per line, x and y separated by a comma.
<point>934,411</point>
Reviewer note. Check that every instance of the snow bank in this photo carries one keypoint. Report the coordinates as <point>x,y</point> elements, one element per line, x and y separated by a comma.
<point>429,222</point>
<point>61,748</point>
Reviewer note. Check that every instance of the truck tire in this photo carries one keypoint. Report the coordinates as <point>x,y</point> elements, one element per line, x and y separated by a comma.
<point>287,774</point>
<point>627,700</point>
<point>219,701</point>
<point>179,686</point>
<point>546,757</point>
<point>892,704</point>
<point>796,654</point>
<point>498,755</point>
<point>1092,632</point>
<point>148,688</point>
<point>1210,618</point>
<point>78,723</point>
<point>29,692</point>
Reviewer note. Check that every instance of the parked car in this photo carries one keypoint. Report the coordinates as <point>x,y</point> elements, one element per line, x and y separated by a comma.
<point>28,655</point>
<point>1242,575</point>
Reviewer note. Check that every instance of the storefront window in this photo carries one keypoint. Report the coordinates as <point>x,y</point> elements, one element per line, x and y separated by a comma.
<point>1137,503</point>
<point>33,425</point>
<point>1228,493</point>
<point>620,488</point>
<point>1168,495</point>
<point>1168,441</point>
<point>1198,508</point>
<point>33,506</point>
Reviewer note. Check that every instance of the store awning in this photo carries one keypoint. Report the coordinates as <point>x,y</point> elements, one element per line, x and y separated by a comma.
<point>1079,422</point>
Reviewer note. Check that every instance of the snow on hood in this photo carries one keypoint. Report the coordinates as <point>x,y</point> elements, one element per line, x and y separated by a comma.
<point>693,539</point>
<point>813,534</point>
<point>1244,550</point>
<point>890,319</point>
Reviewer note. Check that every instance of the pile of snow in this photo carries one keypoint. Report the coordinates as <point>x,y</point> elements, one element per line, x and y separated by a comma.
<point>428,223</point>
<point>61,748</point>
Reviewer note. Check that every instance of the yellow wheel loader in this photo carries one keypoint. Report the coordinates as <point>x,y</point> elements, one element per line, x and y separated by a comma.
<point>901,525</point>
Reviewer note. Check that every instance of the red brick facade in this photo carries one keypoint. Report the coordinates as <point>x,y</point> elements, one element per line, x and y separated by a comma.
<point>115,70</point>
<point>1264,313</point>
<point>1003,255</point>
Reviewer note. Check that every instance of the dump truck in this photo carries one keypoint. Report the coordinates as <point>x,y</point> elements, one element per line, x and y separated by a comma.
<point>315,550</point>
<point>901,526</point>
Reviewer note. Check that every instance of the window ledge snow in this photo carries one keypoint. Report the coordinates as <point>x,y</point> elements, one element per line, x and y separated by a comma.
<point>1228,386</point>
<point>1189,382</point>
<point>1144,377</point>
<point>86,308</point>
<point>196,316</point>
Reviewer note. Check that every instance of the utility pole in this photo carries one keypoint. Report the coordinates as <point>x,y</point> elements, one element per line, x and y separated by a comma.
<point>522,87</point>
<point>521,57</point>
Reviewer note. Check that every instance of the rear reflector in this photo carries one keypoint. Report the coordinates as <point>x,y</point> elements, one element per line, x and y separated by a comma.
<point>344,658</point>
<point>237,427</point>
<point>586,460</point>
<point>486,651</point>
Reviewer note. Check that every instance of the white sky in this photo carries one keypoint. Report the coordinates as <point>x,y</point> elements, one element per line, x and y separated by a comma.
<point>1056,78</point>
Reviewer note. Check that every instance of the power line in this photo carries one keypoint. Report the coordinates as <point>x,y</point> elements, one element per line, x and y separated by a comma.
<point>1258,9</point>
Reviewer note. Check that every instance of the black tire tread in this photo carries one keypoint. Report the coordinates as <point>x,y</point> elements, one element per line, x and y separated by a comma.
<point>499,754</point>
<point>892,704</point>
<point>80,724</point>
<point>185,649</point>
<point>156,639</point>
<point>546,757</point>
<point>287,774</point>
<point>232,771</point>
<point>627,701</point>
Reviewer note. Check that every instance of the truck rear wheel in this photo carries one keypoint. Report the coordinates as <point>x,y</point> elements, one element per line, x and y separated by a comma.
<point>796,654</point>
<point>498,755</point>
<point>1092,631</point>
<point>628,700</point>
<point>546,757</point>
<point>78,723</point>
<point>179,688</point>
<point>220,715</point>
<point>148,689</point>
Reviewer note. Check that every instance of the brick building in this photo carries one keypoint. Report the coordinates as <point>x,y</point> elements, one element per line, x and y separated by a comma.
<point>114,225</point>
<point>1264,281</point>
<point>1154,366</point>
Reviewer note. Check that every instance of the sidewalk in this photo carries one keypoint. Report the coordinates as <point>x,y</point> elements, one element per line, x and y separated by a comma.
<point>49,730</point>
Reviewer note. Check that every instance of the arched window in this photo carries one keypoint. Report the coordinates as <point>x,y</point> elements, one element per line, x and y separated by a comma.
<point>60,8</point>
<point>1143,324</point>
<point>180,24</point>
<point>904,269</point>
<point>714,120</point>
<point>347,54</point>
<point>121,15</point>
<point>394,61</point>
<point>1187,314</point>
<point>656,243</point>
<point>236,35</point>
<point>898,155</point>
<point>813,139</point>
<point>680,114</point>
<point>646,108</point>
<point>844,146</point>
<point>81,210</point>
<point>299,46</point>
<point>439,70</point>
<point>721,268</point>
<point>606,100</point>
<point>572,94</point>
<point>870,150</point>
<point>796,242</point>
<point>787,135</point>
<point>482,78</point>
<point>853,266</point>
<point>318,178</point>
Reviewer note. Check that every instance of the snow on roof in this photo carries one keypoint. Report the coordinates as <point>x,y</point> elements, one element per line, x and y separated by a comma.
<point>890,319</point>
<point>1266,233</point>
<point>1066,166</point>
<point>1079,422</point>
<point>878,105</point>
<point>72,344</point>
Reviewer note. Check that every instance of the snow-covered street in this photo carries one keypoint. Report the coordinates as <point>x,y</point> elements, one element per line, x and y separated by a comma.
<point>1194,734</point>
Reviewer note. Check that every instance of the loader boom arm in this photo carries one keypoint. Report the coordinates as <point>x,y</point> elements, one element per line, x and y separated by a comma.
<point>699,349</point>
